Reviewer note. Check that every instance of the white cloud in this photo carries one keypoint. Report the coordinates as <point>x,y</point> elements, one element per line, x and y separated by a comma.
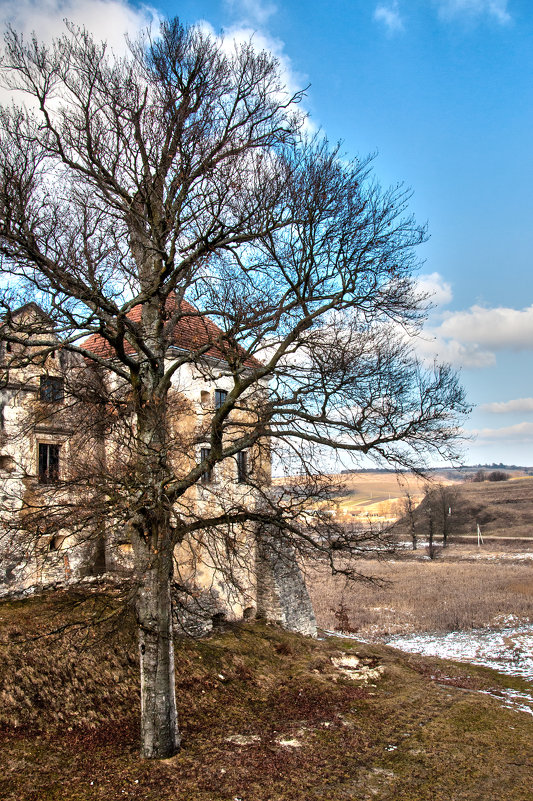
<point>517,405</point>
<point>438,290</point>
<point>495,9</point>
<point>251,12</point>
<point>107,20</point>
<point>390,16</point>
<point>496,329</point>
<point>429,346</point>
<point>521,432</point>
<point>470,338</point>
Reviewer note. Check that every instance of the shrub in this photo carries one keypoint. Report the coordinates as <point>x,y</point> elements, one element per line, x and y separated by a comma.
<point>498,475</point>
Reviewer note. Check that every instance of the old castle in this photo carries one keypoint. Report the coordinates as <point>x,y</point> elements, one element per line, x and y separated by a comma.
<point>40,442</point>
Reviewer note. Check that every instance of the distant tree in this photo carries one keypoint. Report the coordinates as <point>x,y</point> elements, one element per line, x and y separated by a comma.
<point>177,173</point>
<point>409,507</point>
<point>498,475</point>
<point>479,475</point>
<point>430,517</point>
<point>445,498</point>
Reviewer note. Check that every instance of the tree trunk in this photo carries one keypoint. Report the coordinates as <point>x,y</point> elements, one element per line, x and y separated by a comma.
<point>159,723</point>
<point>431,547</point>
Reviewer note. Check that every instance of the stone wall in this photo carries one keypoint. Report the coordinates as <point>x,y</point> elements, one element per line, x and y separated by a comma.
<point>282,596</point>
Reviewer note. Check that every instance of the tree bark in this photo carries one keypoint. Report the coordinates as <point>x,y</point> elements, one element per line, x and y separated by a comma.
<point>159,723</point>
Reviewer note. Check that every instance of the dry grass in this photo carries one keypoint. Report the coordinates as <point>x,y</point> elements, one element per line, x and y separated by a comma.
<point>422,732</point>
<point>364,490</point>
<point>421,595</point>
<point>502,509</point>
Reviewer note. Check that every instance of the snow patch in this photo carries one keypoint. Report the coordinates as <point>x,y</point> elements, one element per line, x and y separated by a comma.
<point>509,650</point>
<point>513,699</point>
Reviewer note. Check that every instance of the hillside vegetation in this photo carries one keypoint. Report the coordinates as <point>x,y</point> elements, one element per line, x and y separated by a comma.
<point>266,716</point>
<point>502,509</point>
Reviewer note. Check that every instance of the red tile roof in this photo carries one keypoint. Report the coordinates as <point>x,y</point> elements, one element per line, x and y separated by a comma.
<point>192,332</point>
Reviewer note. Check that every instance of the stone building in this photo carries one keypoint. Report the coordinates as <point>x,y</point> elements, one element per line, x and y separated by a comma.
<point>41,440</point>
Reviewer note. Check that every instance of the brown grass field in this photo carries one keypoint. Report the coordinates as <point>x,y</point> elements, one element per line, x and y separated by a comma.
<point>456,591</point>
<point>265,716</point>
<point>502,509</point>
<point>466,587</point>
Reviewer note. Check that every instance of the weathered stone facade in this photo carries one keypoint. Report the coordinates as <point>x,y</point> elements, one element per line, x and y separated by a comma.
<point>37,442</point>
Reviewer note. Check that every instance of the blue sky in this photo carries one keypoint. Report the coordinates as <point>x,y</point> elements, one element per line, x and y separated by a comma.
<point>442,91</point>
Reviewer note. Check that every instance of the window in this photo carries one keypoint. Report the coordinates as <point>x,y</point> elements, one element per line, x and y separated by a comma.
<point>242,467</point>
<point>51,389</point>
<point>207,477</point>
<point>220,397</point>
<point>48,463</point>
<point>7,462</point>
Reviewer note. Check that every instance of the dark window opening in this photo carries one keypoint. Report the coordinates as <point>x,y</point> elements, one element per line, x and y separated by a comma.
<point>53,354</point>
<point>220,397</point>
<point>48,463</point>
<point>242,467</point>
<point>56,542</point>
<point>207,477</point>
<point>6,462</point>
<point>51,389</point>
<point>8,347</point>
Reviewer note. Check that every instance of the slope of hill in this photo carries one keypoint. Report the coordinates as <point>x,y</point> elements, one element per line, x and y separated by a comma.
<point>266,716</point>
<point>502,509</point>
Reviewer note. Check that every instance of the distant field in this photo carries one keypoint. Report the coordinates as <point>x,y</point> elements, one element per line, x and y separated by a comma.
<point>364,492</point>
<point>380,494</point>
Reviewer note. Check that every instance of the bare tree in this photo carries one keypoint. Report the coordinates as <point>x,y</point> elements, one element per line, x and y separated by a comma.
<point>408,510</point>
<point>171,188</point>
<point>430,516</point>
<point>446,498</point>
<point>440,502</point>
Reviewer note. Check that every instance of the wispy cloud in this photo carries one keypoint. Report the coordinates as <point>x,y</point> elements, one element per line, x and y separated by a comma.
<point>519,405</point>
<point>471,338</point>
<point>494,9</point>
<point>498,329</point>
<point>251,12</point>
<point>430,346</point>
<point>389,15</point>
<point>521,432</point>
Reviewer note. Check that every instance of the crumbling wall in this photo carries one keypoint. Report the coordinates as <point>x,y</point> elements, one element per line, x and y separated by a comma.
<point>282,595</point>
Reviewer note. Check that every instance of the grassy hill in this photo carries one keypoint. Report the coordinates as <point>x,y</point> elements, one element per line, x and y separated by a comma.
<point>365,490</point>
<point>265,715</point>
<point>503,509</point>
